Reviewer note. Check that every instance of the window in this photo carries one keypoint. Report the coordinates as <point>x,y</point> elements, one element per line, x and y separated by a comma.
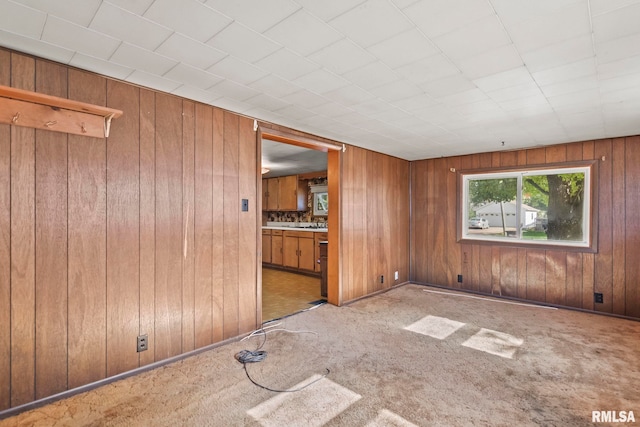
<point>545,206</point>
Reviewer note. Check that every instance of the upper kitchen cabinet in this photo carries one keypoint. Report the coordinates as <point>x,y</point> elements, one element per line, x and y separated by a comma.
<point>285,193</point>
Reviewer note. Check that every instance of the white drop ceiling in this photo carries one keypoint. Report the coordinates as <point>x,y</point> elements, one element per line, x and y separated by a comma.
<point>414,79</point>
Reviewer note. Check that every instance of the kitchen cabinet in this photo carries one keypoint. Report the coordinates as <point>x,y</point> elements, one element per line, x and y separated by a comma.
<point>266,246</point>
<point>317,238</point>
<point>276,247</point>
<point>285,193</point>
<point>298,250</point>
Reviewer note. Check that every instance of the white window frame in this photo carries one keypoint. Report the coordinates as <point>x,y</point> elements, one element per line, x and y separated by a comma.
<point>587,241</point>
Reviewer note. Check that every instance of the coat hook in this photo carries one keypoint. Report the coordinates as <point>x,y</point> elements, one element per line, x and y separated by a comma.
<point>15,118</point>
<point>83,128</point>
<point>50,123</point>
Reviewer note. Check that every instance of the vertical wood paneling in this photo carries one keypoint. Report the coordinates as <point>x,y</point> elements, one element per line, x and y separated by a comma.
<point>87,241</point>
<point>5,245</point>
<point>92,234</point>
<point>123,220</point>
<point>373,222</point>
<point>188,262</point>
<point>453,253</point>
<point>439,231</point>
<point>218,225</point>
<point>618,224</point>
<point>556,266</point>
<point>147,222</point>
<point>231,225</point>
<point>51,243</point>
<point>203,226</point>
<point>508,272</point>
<point>588,259</point>
<point>536,272</point>
<point>603,280</point>
<point>574,280</point>
<point>169,227</point>
<point>632,217</point>
<point>248,175</point>
<point>23,351</point>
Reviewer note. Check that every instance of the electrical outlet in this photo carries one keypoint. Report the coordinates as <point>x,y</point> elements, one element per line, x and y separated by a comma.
<point>598,298</point>
<point>396,276</point>
<point>382,279</point>
<point>459,278</point>
<point>245,205</point>
<point>143,343</point>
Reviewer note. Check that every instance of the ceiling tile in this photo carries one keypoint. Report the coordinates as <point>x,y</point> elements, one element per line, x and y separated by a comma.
<point>350,95</point>
<point>448,86</point>
<point>153,81</point>
<point>395,91</point>
<point>332,109</point>
<point>64,33</point>
<point>504,79</point>
<point>138,7</point>
<point>190,51</point>
<point>561,53</point>
<point>321,81</point>
<point>463,42</point>
<point>267,102</point>
<point>428,69</point>
<point>274,86</point>
<point>233,105</point>
<point>599,7</point>
<point>192,76</point>
<point>258,15</point>
<point>131,28</point>
<point>518,91</point>
<point>371,75</point>
<point>287,64</point>
<point>570,86</point>
<point>582,98</point>
<point>311,34</point>
<point>582,68</point>
<point>21,20</point>
<point>403,48</point>
<point>35,47</point>
<point>305,99</point>
<point>100,66</point>
<point>491,62</point>
<point>79,12</point>
<point>618,49</point>
<point>189,17</point>
<point>134,57</point>
<point>194,94</point>
<point>243,42</point>
<point>295,112</point>
<point>415,102</point>
<point>231,90</point>
<point>618,23</point>
<point>629,65</point>
<point>371,22</point>
<point>328,9</point>
<point>556,26</point>
<point>438,17</point>
<point>237,70</point>
<point>342,57</point>
<point>467,97</point>
<point>513,12</point>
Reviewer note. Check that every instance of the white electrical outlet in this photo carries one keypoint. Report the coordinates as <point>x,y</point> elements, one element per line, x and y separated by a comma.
<point>395,275</point>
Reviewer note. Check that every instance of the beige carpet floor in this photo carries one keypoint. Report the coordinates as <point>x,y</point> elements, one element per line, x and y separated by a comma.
<point>411,356</point>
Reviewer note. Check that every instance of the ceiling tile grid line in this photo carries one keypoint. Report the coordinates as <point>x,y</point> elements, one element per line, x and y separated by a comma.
<point>457,74</point>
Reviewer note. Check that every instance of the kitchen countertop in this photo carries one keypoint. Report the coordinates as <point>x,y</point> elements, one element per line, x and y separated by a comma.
<point>303,228</point>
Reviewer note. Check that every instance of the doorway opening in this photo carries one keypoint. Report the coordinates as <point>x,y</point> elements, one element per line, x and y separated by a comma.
<point>299,262</point>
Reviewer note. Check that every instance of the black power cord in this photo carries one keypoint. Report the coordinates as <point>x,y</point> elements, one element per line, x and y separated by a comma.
<point>248,356</point>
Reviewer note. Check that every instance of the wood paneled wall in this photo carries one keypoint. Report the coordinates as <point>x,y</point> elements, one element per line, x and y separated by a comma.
<point>374,222</point>
<point>543,275</point>
<point>104,240</point>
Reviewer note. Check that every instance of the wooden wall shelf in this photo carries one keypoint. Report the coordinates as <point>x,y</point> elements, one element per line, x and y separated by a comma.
<point>30,109</point>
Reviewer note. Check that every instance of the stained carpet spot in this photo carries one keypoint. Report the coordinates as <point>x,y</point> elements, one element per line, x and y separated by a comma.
<point>387,418</point>
<point>434,326</point>
<point>312,406</point>
<point>494,342</point>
